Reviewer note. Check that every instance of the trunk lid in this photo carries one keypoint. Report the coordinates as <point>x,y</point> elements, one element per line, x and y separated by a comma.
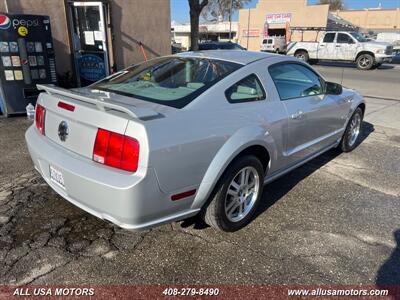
<point>76,130</point>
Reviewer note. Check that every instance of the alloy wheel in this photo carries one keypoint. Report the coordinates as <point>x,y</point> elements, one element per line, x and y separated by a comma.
<point>242,194</point>
<point>354,131</point>
<point>365,61</point>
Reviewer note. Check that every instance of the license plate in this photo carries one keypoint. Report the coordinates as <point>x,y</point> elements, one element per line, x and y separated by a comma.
<point>57,177</point>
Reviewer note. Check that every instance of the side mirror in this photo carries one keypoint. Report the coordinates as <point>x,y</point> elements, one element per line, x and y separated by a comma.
<point>332,88</point>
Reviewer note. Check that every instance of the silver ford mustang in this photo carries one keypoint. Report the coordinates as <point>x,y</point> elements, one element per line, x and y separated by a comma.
<point>194,133</point>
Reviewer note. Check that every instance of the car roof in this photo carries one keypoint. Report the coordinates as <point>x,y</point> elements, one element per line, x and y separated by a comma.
<point>240,57</point>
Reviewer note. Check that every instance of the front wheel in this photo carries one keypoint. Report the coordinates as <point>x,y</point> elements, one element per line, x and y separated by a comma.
<point>236,195</point>
<point>365,62</point>
<point>352,133</point>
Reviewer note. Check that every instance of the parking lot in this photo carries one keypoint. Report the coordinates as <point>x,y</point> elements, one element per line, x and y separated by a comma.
<point>336,220</point>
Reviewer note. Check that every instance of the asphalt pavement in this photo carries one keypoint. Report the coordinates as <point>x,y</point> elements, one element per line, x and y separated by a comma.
<point>383,82</point>
<point>336,220</point>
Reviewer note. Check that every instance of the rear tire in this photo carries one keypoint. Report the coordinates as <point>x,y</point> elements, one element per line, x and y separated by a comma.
<point>365,61</point>
<point>235,198</point>
<point>302,55</point>
<point>351,136</point>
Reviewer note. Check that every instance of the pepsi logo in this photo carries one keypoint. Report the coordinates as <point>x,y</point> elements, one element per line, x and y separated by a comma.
<point>5,22</point>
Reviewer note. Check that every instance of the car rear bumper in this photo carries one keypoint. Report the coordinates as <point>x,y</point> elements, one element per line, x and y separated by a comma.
<point>131,201</point>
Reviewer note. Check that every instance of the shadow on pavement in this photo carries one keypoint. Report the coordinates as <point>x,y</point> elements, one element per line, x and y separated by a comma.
<point>277,189</point>
<point>388,276</point>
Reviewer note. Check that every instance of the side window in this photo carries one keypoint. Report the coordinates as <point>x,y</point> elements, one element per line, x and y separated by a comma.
<point>246,90</point>
<point>329,37</point>
<point>295,81</point>
<point>343,38</point>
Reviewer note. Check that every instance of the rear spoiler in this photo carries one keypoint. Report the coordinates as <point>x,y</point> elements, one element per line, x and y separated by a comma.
<point>102,103</point>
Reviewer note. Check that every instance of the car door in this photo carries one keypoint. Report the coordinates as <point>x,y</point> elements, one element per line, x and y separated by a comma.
<point>314,119</point>
<point>326,48</point>
<point>345,47</point>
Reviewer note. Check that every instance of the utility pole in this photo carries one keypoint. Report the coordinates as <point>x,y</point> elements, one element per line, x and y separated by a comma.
<point>6,5</point>
<point>248,29</point>
<point>230,21</point>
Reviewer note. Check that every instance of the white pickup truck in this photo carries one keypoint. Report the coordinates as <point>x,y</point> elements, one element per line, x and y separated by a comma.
<point>343,46</point>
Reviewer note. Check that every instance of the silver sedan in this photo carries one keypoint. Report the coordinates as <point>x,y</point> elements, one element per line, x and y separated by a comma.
<point>194,133</point>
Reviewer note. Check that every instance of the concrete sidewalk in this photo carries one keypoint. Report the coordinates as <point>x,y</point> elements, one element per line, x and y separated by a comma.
<point>382,112</point>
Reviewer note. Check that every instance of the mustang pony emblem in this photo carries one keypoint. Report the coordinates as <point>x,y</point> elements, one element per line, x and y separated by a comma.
<point>63,131</point>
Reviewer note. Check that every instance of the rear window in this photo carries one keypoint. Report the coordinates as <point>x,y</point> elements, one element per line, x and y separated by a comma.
<point>171,81</point>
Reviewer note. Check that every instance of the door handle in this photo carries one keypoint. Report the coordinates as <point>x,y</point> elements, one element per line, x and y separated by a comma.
<point>338,46</point>
<point>322,45</point>
<point>298,115</point>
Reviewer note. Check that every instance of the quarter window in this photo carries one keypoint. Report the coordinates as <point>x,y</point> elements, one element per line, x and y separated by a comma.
<point>329,37</point>
<point>294,81</point>
<point>246,90</point>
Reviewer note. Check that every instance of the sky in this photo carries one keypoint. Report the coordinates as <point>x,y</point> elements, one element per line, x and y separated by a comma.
<point>180,8</point>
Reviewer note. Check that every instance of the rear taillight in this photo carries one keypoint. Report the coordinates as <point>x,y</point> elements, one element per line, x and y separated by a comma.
<point>40,113</point>
<point>116,150</point>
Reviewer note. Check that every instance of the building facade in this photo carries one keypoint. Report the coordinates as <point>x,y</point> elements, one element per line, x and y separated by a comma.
<point>118,32</point>
<point>378,20</point>
<point>275,16</point>
<point>218,31</point>
<point>295,20</point>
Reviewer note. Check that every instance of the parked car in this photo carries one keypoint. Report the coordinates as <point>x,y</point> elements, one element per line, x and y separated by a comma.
<point>220,46</point>
<point>192,133</point>
<point>344,46</point>
<point>275,44</point>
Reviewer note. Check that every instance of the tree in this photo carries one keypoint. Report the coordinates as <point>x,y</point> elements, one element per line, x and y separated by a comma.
<point>196,6</point>
<point>333,4</point>
<point>220,10</point>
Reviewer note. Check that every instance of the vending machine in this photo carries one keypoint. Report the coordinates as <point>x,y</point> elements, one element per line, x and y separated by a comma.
<point>27,59</point>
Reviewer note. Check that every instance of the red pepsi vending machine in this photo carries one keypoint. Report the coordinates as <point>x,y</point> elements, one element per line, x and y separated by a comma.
<point>27,58</point>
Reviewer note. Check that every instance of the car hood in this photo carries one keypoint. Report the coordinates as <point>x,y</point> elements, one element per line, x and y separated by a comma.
<point>374,44</point>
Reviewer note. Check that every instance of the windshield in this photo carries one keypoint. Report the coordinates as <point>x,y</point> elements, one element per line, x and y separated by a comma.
<point>358,36</point>
<point>172,81</point>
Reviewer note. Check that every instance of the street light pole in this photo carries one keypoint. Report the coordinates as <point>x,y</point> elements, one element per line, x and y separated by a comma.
<point>230,21</point>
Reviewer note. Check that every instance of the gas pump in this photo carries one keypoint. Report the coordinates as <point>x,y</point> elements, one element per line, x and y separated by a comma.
<point>27,59</point>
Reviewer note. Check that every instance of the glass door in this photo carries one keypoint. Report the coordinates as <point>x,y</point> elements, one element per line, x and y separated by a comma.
<point>89,41</point>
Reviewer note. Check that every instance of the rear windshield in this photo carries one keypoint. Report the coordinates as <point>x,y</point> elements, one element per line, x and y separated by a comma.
<point>171,81</point>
